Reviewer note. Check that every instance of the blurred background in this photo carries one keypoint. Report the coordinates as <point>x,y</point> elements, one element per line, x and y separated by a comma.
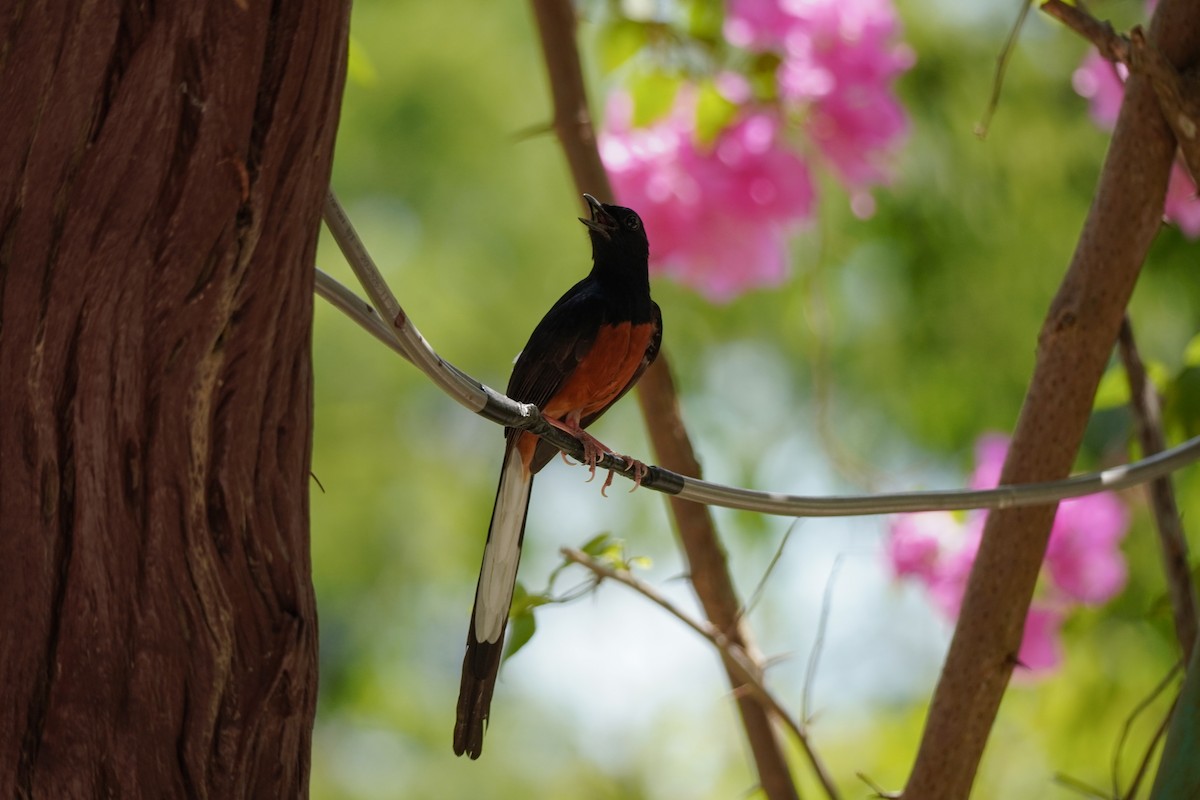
<point>894,344</point>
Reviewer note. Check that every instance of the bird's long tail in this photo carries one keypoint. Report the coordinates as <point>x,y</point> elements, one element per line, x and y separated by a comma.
<point>493,596</point>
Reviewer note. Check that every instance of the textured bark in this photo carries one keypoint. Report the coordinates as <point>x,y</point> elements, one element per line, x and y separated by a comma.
<point>162,170</point>
<point>1074,346</point>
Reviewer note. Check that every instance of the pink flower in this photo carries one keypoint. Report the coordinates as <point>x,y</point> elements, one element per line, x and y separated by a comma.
<point>936,549</point>
<point>1084,557</point>
<point>950,582</point>
<point>839,59</point>
<point>719,213</point>
<point>1084,562</point>
<point>717,217</point>
<point>1103,84</point>
<point>1041,644</point>
<point>1181,206</point>
<point>757,24</point>
<point>916,541</point>
<point>990,452</point>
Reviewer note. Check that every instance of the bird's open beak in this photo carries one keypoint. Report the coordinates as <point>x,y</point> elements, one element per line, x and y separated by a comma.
<point>601,222</point>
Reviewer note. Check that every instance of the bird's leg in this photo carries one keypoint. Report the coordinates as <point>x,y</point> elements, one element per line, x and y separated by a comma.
<point>593,448</point>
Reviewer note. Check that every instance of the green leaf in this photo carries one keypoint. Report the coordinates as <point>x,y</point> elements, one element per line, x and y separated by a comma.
<point>597,544</point>
<point>619,42</point>
<point>521,619</point>
<point>524,602</point>
<point>653,95</point>
<point>640,562</point>
<point>520,631</point>
<point>713,113</point>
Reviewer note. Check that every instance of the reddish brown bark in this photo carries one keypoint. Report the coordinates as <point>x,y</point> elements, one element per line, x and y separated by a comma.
<point>162,171</point>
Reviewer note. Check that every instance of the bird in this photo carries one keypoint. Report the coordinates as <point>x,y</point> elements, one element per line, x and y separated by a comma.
<point>589,349</point>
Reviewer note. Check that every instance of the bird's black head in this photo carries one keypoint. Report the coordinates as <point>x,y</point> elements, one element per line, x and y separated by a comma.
<point>617,234</point>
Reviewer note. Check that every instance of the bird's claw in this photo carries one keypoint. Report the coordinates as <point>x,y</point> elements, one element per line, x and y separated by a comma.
<point>640,471</point>
<point>593,451</point>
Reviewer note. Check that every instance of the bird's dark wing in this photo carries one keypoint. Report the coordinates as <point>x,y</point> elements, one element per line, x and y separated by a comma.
<point>559,342</point>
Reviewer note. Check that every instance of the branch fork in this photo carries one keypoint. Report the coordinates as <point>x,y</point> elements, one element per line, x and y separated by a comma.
<point>1178,94</point>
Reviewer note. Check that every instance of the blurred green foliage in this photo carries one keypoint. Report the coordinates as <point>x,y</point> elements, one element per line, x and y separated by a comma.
<point>899,340</point>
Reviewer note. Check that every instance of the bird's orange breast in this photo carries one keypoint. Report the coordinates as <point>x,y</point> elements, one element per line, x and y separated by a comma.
<point>603,373</point>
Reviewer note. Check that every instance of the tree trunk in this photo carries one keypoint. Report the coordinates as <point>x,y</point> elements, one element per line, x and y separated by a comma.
<point>1074,346</point>
<point>162,169</point>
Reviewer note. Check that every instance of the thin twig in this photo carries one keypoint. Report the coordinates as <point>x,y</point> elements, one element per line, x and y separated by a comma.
<point>748,670</point>
<point>1127,726</point>
<point>761,587</point>
<point>1079,787</point>
<point>1177,774</point>
<point>500,409</point>
<point>1143,399</point>
<point>1144,766</point>
<point>1010,44</point>
<point>814,655</point>
<point>1101,34</point>
<point>875,787</point>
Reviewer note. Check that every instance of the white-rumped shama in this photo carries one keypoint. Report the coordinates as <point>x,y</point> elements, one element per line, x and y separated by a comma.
<point>588,351</point>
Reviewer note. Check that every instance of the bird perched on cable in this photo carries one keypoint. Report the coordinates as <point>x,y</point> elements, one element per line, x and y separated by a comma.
<point>588,351</point>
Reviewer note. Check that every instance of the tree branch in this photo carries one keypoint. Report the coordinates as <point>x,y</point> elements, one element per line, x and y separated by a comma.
<point>748,669</point>
<point>1143,399</point>
<point>1177,94</point>
<point>1073,348</point>
<point>660,405</point>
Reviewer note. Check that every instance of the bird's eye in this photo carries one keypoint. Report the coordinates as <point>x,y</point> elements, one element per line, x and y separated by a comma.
<point>632,222</point>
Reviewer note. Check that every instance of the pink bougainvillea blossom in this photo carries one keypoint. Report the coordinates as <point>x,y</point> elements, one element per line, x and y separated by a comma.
<point>719,213</point>
<point>1084,564</point>
<point>1103,84</point>
<point>717,216</point>
<point>1041,643</point>
<point>915,545</point>
<point>758,24</point>
<point>1084,556</point>
<point>1182,206</point>
<point>990,452</point>
<point>839,59</point>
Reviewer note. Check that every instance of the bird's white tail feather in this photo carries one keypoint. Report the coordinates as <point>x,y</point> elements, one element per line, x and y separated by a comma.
<point>502,553</point>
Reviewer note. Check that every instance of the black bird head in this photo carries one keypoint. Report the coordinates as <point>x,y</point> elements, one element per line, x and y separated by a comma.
<point>617,234</point>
